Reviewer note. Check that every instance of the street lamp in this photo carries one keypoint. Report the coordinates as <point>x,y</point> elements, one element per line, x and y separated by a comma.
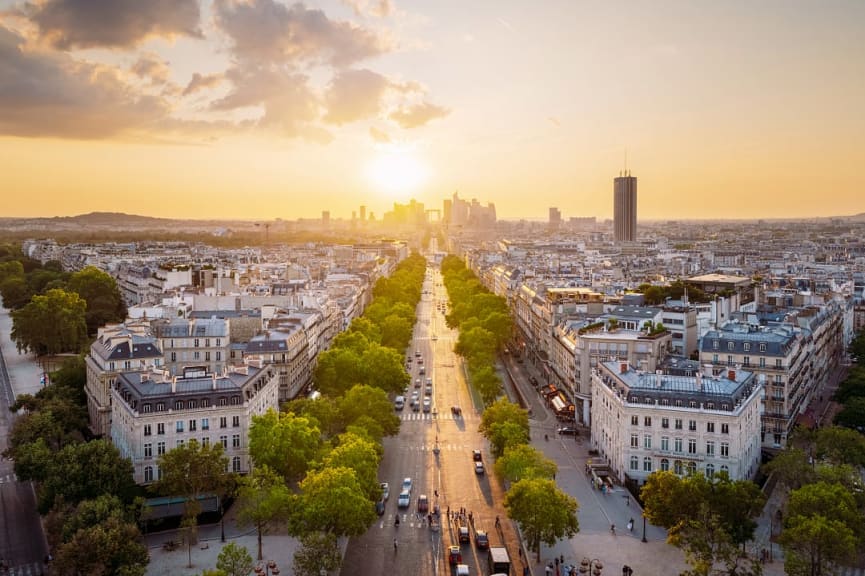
<point>592,566</point>
<point>267,569</point>
<point>644,527</point>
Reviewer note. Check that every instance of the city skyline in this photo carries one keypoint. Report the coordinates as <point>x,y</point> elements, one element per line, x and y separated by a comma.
<point>263,109</point>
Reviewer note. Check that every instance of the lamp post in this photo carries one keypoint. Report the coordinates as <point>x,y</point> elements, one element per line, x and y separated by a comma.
<point>266,569</point>
<point>644,527</point>
<point>592,567</point>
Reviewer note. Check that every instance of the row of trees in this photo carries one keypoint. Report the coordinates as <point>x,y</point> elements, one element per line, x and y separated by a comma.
<point>851,392</point>
<point>484,324</point>
<point>654,295</point>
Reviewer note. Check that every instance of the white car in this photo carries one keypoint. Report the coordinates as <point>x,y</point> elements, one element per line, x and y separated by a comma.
<point>406,485</point>
<point>404,499</point>
<point>385,491</point>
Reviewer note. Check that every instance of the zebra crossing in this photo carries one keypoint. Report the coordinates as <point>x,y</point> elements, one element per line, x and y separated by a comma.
<point>8,479</point>
<point>849,571</point>
<point>33,569</point>
<point>411,416</point>
<point>442,447</point>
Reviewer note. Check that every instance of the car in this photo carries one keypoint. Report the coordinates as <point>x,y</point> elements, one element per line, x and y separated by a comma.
<point>385,491</point>
<point>417,353</point>
<point>476,455</point>
<point>568,431</point>
<point>422,504</point>
<point>399,403</point>
<point>406,485</point>
<point>417,382</point>
<point>428,391</point>
<point>427,404</point>
<point>408,359</point>
<point>420,362</point>
<point>404,499</point>
<point>422,371</point>
<point>479,468</point>
<point>463,534</point>
<point>462,570</point>
<point>379,507</point>
<point>434,338</point>
<point>455,556</point>
<point>482,540</point>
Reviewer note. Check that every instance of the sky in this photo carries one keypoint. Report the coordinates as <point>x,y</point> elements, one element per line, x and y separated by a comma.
<point>262,109</point>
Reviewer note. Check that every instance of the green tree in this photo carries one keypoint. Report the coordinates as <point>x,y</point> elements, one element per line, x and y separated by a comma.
<point>234,560</point>
<point>396,332</point>
<point>361,401</point>
<point>476,343</point>
<point>104,301</point>
<point>792,468</point>
<point>383,368</point>
<point>262,498</point>
<point>504,424</point>
<point>852,415</point>
<point>191,471</point>
<point>332,500</point>
<point>112,547</point>
<point>285,443</point>
<point>487,383</point>
<point>361,455</point>
<point>339,369</point>
<point>322,412</point>
<point>318,551</point>
<point>841,446</point>
<point>369,329</point>
<point>65,520</point>
<point>522,462</point>
<point>15,292</point>
<point>545,513</point>
<point>51,324</point>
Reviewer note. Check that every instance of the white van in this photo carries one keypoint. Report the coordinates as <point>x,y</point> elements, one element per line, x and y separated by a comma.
<point>399,402</point>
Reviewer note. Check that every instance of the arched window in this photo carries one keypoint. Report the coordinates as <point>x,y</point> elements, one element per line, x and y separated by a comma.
<point>665,464</point>
<point>677,467</point>
<point>692,468</point>
<point>710,470</point>
<point>725,468</point>
<point>635,463</point>
<point>148,473</point>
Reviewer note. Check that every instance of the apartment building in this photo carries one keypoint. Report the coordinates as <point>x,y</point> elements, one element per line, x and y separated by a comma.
<point>117,348</point>
<point>285,349</point>
<point>154,412</point>
<point>646,421</point>
<point>194,342</point>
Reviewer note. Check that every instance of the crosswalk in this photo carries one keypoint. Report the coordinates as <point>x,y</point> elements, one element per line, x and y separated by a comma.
<point>412,416</point>
<point>8,479</point>
<point>33,569</point>
<point>442,447</point>
<point>849,571</point>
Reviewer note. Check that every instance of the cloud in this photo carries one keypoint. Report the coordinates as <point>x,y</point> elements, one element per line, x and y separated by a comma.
<point>152,67</point>
<point>379,136</point>
<point>53,95</point>
<point>354,95</point>
<point>417,115</point>
<point>267,31</point>
<point>70,24</point>
<point>554,121</point>
<point>202,82</point>
<point>378,8</point>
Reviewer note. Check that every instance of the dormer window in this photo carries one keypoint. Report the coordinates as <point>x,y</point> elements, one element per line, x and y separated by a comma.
<point>715,344</point>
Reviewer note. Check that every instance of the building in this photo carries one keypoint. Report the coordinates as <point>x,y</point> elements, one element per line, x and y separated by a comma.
<point>194,342</point>
<point>154,412</point>
<point>117,348</point>
<point>555,218</point>
<point>625,208</point>
<point>286,348</point>
<point>685,422</point>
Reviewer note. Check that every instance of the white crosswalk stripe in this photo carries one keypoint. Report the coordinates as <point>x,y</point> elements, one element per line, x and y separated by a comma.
<point>8,479</point>
<point>25,570</point>
<point>409,416</point>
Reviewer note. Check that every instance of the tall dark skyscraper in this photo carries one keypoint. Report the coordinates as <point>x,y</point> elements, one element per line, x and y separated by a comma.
<point>625,208</point>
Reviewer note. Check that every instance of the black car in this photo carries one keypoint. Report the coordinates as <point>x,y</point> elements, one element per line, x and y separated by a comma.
<point>568,431</point>
<point>379,507</point>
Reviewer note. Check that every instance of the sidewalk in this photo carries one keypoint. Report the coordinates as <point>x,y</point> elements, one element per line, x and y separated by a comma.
<point>24,371</point>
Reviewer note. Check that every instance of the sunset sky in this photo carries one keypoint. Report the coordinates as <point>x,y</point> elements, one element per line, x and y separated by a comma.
<point>264,109</point>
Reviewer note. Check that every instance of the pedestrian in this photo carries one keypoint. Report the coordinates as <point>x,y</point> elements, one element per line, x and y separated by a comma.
<point>548,570</point>
<point>449,511</point>
<point>520,550</point>
<point>498,522</point>
<point>631,525</point>
<point>613,529</point>
<point>627,500</point>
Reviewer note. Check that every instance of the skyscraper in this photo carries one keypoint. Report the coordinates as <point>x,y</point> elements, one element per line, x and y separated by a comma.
<point>555,218</point>
<point>625,208</point>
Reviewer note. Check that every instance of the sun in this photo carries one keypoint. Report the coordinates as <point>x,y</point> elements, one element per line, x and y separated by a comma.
<point>397,171</point>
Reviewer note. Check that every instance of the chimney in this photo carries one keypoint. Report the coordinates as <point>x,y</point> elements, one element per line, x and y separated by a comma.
<point>623,367</point>
<point>731,375</point>
<point>174,385</point>
<point>699,382</point>
<point>707,370</point>
<point>213,385</point>
<point>658,378</point>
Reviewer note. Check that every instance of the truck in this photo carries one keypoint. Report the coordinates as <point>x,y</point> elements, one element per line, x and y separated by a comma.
<point>500,562</point>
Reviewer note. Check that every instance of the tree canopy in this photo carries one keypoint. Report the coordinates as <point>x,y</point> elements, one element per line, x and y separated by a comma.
<point>544,512</point>
<point>286,443</point>
<point>52,323</point>
<point>99,290</point>
<point>332,500</point>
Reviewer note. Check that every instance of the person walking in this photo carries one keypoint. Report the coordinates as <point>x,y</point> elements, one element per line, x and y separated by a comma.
<point>613,529</point>
<point>631,525</point>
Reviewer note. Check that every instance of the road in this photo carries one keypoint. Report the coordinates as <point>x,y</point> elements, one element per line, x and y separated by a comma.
<point>22,545</point>
<point>450,473</point>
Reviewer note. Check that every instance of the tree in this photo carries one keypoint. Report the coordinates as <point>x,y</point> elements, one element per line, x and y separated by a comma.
<point>332,500</point>
<point>476,343</point>
<point>792,468</point>
<point>338,370</point>
<point>322,412</point>
<point>362,456</point>
<point>545,513</point>
<point>112,547</point>
<point>318,551</point>
<point>193,470</point>
<point>852,415</point>
<point>396,332</point>
<point>487,383</point>
<point>85,471</point>
<point>65,520</point>
<point>285,443</point>
<point>262,498</point>
<point>15,292</point>
<point>383,368</point>
<point>365,400</point>
<point>504,424</point>
<point>51,324</point>
<point>707,545</point>
<point>234,560</point>
<point>369,329</point>
<point>841,445</point>
<point>524,461</point>
<point>100,291</point>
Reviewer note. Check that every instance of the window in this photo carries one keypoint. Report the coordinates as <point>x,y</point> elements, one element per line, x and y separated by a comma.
<point>714,358</point>
<point>665,422</point>
<point>147,430</point>
<point>725,449</point>
<point>665,464</point>
<point>160,428</point>
<point>192,425</point>
<point>710,427</point>
<point>778,363</point>
<point>778,379</point>
<point>196,355</point>
<point>218,355</point>
<point>762,346</point>
<point>207,356</point>
<point>725,428</point>
<point>180,443</point>
<point>647,464</point>
<point>665,443</point>
<point>205,442</point>
<point>196,342</point>
<point>678,403</point>
<point>725,468</point>
<point>147,408</point>
<point>677,445</point>
<point>205,424</point>
<point>711,406</point>
<point>179,426</point>
<point>762,362</point>
<point>223,422</point>
<point>235,400</point>
<point>235,441</point>
<point>148,473</point>
<point>190,404</point>
<point>223,401</point>
<point>205,403</point>
<point>692,445</point>
<point>729,360</point>
<point>174,356</point>
<point>635,463</point>
<point>235,464</point>
<point>692,468</point>
<point>235,421</point>
<point>218,343</point>
<point>677,467</point>
<point>178,405</point>
<point>714,344</point>
<point>746,360</point>
<point>710,448</point>
<point>692,425</point>
<point>160,448</point>
<point>207,342</point>
<point>160,406</point>
<point>647,421</point>
<point>635,420</point>
<point>647,441</point>
<point>692,404</point>
<point>635,442</point>
<point>678,423</point>
<point>746,346</point>
<point>731,345</point>
<point>224,441</point>
<point>148,450</point>
<point>710,470</point>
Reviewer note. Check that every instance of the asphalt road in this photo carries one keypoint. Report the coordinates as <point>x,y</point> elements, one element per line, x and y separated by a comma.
<point>450,473</point>
<point>22,545</point>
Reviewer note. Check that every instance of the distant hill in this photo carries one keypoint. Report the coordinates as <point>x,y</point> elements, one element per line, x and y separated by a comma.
<point>111,219</point>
